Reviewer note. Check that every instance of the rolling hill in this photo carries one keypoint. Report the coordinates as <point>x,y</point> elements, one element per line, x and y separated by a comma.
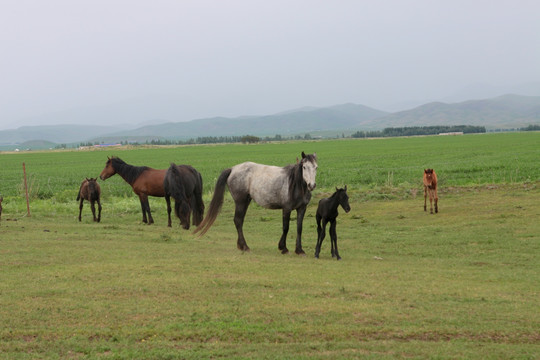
<point>503,112</point>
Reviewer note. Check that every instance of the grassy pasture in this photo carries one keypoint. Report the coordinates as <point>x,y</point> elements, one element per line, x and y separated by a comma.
<point>460,284</point>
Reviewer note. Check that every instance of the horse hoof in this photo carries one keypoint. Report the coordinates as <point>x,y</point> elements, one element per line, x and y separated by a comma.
<point>285,251</point>
<point>301,253</point>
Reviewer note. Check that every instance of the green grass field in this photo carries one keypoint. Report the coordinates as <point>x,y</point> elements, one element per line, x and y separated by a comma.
<point>460,284</point>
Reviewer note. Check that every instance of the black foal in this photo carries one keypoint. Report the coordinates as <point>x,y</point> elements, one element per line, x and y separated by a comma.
<point>328,212</point>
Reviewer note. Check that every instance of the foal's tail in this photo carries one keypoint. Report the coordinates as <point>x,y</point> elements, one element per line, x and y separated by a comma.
<point>175,187</point>
<point>215,204</point>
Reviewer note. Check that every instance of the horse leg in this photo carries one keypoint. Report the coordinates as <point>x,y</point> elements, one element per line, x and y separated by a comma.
<point>145,205</point>
<point>320,238</point>
<point>93,207</point>
<point>168,201</point>
<point>143,208</point>
<point>150,219</point>
<point>80,207</point>
<point>239,215</point>
<point>99,210</point>
<point>299,220</point>
<point>436,201</point>
<point>286,218</point>
<point>333,239</point>
<point>425,198</point>
<point>431,201</point>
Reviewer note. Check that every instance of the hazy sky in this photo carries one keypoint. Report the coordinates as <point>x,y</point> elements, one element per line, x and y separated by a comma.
<point>194,59</point>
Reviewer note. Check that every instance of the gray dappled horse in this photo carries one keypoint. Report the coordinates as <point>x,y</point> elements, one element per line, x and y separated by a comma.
<point>272,187</point>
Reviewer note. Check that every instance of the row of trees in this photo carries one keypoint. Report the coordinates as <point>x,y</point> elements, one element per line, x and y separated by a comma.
<point>420,130</point>
<point>250,139</point>
<point>246,139</point>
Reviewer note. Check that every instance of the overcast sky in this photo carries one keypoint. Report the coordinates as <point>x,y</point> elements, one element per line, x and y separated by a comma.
<point>194,59</point>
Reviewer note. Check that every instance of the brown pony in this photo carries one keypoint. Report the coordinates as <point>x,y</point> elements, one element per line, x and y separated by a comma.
<point>430,186</point>
<point>145,182</point>
<point>90,191</point>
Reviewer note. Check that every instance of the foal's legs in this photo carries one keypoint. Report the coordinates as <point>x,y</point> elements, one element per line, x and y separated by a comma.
<point>321,231</point>
<point>80,207</point>
<point>436,201</point>
<point>283,241</point>
<point>333,240</point>
<point>93,207</point>
<point>431,196</point>
<point>425,198</point>
<point>239,215</point>
<point>99,210</point>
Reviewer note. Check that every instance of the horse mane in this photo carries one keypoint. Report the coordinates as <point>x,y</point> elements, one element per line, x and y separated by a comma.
<point>297,186</point>
<point>128,172</point>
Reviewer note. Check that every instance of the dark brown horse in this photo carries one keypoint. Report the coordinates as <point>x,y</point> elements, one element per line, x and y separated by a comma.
<point>327,212</point>
<point>145,182</point>
<point>430,186</point>
<point>1,199</point>
<point>184,184</point>
<point>91,192</point>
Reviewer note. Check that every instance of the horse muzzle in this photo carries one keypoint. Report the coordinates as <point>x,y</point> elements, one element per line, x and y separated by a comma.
<point>311,186</point>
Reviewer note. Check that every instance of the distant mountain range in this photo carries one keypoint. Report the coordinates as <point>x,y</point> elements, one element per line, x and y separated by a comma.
<point>503,112</point>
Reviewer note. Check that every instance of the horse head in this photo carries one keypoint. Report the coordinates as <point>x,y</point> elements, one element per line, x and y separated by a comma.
<point>343,199</point>
<point>309,169</point>
<point>429,175</point>
<point>108,171</point>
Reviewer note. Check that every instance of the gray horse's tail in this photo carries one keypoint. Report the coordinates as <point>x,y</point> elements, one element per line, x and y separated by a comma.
<point>215,204</point>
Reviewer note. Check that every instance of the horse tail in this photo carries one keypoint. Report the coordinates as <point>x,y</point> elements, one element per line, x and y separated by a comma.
<point>215,204</point>
<point>80,190</point>
<point>177,191</point>
<point>198,208</point>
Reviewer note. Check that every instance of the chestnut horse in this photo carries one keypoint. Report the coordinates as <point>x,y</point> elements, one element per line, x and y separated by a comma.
<point>90,191</point>
<point>272,187</point>
<point>430,186</point>
<point>145,182</point>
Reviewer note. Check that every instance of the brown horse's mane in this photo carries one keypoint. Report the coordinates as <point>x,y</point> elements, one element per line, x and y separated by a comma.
<point>128,172</point>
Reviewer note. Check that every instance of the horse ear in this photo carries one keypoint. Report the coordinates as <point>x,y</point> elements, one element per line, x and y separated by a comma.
<point>303,155</point>
<point>345,187</point>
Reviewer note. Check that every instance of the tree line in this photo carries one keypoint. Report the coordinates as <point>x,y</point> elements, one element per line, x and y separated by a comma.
<point>420,130</point>
<point>250,139</point>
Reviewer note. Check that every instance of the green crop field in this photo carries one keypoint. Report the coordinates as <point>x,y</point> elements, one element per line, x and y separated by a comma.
<point>460,284</point>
